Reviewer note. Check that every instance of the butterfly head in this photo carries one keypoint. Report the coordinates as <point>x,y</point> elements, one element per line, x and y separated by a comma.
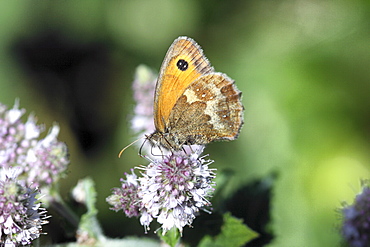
<point>167,141</point>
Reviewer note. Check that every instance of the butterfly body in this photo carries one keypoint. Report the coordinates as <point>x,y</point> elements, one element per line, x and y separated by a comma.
<point>193,104</point>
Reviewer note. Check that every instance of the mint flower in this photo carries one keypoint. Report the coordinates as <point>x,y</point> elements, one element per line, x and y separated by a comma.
<point>126,197</point>
<point>143,87</point>
<point>42,161</point>
<point>21,217</point>
<point>172,190</point>
<point>356,219</point>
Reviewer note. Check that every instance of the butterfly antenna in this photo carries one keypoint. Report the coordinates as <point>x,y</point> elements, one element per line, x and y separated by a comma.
<point>123,149</point>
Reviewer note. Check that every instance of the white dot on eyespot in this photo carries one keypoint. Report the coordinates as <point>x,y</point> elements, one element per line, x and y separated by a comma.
<point>224,116</point>
<point>203,95</point>
<point>197,90</point>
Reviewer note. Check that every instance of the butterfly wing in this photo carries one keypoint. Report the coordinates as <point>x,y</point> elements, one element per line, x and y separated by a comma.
<point>210,109</point>
<point>183,64</point>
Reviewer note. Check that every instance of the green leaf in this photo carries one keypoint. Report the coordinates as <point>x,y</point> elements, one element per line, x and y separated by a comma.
<point>171,237</point>
<point>233,234</point>
<point>89,224</point>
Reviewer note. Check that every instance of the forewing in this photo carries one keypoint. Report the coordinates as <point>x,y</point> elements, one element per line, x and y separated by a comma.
<point>183,64</point>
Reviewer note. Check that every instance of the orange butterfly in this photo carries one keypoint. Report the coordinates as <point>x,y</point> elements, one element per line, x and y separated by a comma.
<point>193,104</point>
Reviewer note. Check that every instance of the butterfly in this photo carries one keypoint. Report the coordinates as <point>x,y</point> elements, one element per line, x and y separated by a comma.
<point>193,104</point>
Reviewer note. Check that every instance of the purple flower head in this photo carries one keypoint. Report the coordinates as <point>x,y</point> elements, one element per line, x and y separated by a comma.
<point>143,87</point>
<point>42,160</point>
<point>356,220</point>
<point>126,197</point>
<point>172,189</point>
<point>21,217</point>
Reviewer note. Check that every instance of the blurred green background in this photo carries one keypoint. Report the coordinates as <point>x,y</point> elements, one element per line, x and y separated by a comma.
<point>303,68</point>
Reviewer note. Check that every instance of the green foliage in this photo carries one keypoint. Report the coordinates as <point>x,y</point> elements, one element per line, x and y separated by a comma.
<point>171,237</point>
<point>89,224</point>
<point>233,234</point>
